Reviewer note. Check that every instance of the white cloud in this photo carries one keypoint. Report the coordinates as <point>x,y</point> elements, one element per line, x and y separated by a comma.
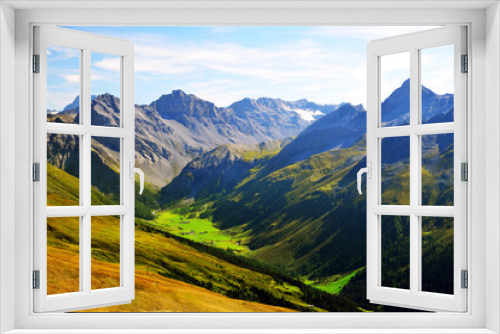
<point>282,64</point>
<point>58,53</point>
<point>58,99</point>
<point>395,70</point>
<point>103,77</point>
<point>438,69</point>
<point>222,92</point>
<point>325,64</point>
<point>313,87</point>
<point>72,78</point>
<point>108,63</point>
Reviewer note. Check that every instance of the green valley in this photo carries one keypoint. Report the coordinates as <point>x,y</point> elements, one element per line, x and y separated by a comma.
<point>164,261</point>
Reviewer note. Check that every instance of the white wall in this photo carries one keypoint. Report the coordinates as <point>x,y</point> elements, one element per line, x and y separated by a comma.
<point>478,124</point>
<point>492,164</point>
<point>7,160</point>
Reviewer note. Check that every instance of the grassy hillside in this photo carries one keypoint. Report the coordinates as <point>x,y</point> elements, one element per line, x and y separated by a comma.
<point>154,293</point>
<point>300,216</point>
<point>163,262</point>
<point>156,258</point>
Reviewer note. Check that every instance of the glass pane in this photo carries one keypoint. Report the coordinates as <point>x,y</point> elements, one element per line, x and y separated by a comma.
<point>395,89</point>
<point>105,89</point>
<point>105,260</point>
<point>437,254</point>
<point>395,176</point>
<point>63,170</point>
<point>63,255</point>
<point>396,252</point>
<point>105,171</point>
<point>437,169</point>
<point>63,84</point>
<point>437,77</point>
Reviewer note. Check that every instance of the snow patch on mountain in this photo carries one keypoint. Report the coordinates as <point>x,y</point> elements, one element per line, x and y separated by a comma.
<point>307,114</point>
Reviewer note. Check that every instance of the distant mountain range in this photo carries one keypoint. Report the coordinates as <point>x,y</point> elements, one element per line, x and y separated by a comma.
<point>178,127</point>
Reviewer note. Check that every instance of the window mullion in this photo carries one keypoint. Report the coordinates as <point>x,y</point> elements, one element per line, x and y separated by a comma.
<point>86,152</point>
<point>86,138</point>
<point>414,171</point>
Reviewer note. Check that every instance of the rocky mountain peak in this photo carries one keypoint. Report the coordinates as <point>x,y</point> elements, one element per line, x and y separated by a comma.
<point>244,105</point>
<point>180,106</point>
<point>179,93</point>
<point>396,107</point>
<point>107,100</point>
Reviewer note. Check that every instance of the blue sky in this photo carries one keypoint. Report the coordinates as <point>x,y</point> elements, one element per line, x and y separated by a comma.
<point>226,64</point>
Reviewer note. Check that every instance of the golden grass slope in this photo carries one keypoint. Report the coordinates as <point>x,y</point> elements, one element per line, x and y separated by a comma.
<point>154,293</point>
<point>154,254</point>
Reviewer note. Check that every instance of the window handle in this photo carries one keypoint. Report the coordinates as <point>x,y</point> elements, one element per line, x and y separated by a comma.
<point>368,171</point>
<point>134,170</point>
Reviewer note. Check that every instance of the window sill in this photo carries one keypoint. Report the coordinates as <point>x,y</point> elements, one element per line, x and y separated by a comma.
<point>251,331</point>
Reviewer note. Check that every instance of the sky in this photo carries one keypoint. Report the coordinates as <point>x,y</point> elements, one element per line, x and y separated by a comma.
<point>224,64</point>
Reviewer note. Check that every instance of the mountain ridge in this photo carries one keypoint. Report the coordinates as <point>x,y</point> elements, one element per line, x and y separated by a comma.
<point>178,127</point>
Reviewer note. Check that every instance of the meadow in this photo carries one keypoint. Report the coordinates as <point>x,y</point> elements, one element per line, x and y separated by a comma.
<point>199,230</point>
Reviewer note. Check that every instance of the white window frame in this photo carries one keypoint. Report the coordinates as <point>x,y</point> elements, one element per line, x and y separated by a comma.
<point>484,49</point>
<point>414,297</point>
<point>86,43</point>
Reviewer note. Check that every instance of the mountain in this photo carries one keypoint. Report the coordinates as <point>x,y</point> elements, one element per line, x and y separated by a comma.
<point>299,207</point>
<point>218,169</point>
<point>178,127</point>
<point>299,216</point>
<point>76,103</point>
<point>396,108</point>
<point>272,195</point>
<point>73,105</point>
<point>279,118</point>
<point>339,129</point>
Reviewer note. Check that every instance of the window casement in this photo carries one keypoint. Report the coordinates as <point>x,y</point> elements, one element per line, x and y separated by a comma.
<point>410,206</point>
<point>81,132</point>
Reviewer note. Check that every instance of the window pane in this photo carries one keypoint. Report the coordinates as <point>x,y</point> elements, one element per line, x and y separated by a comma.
<point>437,254</point>
<point>63,255</point>
<point>437,169</point>
<point>105,171</point>
<point>105,252</point>
<point>105,89</point>
<point>396,252</point>
<point>63,84</point>
<point>395,89</point>
<point>437,78</point>
<point>63,170</point>
<point>395,170</point>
